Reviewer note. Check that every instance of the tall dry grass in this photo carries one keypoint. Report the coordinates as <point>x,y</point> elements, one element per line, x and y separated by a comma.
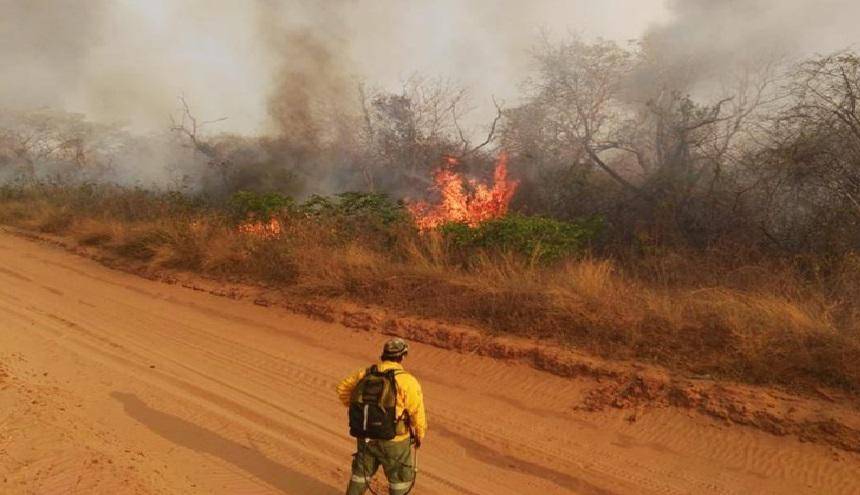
<point>723,313</point>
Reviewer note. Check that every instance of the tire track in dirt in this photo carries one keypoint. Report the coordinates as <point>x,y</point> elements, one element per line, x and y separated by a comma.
<point>125,357</point>
<point>123,353</point>
<point>560,456</point>
<point>197,394</point>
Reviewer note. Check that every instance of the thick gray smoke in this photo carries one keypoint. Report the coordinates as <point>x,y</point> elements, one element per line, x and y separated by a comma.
<point>314,73</point>
<point>45,48</point>
<point>129,61</point>
<point>707,38</point>
<point>288,71</point>
<point>727,29</point>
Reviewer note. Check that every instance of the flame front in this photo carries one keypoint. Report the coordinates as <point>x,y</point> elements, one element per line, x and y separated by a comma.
<point>458,203</point>
<point>264,230</point>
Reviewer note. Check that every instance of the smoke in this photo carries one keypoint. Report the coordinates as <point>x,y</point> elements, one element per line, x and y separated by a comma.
<point>44,47</point>
<point>314,74</point>
<point>127,61</point>
<point>285,73</point>
<point>265,63</point>
<point>726,29</point>
<point>704,39</point>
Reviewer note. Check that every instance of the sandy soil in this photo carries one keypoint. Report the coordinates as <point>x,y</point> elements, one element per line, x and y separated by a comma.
<point>110,383</point>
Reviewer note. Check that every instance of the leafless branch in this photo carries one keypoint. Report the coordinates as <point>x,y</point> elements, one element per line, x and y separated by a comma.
<point>491,133</point>
<point>189,125</point>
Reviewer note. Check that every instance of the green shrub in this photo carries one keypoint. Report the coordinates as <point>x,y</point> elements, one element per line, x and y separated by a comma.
<point>369,218</point>
<point>539,238</point>
<point>245,203</point>
<point>368,206</point>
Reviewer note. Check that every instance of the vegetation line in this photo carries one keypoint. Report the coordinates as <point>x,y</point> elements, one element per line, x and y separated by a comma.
<point>717,312</point>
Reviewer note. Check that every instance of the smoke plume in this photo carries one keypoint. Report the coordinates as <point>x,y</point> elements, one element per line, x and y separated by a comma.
<point>706,38</point>
<point>285,74</point>
<point>44,49</point>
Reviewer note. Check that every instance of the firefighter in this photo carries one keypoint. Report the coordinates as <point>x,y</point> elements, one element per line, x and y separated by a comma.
<point>386,415</point>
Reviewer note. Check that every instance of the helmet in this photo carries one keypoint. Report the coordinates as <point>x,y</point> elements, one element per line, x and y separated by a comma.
<point>394,348</point>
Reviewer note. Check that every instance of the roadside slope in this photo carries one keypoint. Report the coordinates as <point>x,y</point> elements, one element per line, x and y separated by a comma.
<point>110,383</point>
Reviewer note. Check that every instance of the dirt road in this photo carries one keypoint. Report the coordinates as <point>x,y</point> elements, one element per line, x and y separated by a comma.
<point>115,384</point>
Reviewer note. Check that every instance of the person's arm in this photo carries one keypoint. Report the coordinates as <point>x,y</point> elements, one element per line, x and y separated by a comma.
<point>344,388</point>
<point>415,407</point>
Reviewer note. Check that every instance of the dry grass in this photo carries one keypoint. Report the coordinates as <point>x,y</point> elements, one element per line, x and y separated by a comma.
<point>785,322</point>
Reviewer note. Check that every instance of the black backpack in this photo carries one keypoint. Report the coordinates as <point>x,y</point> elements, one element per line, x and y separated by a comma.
<point>372,406</point>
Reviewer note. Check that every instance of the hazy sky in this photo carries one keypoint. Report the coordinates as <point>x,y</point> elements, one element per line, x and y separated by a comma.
<point>128,60</point>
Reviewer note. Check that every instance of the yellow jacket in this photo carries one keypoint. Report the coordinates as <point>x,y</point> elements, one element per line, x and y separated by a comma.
<point>409,396</point>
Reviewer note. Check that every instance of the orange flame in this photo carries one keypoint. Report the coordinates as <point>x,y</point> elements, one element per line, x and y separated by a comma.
<point>470,205</point>
<point>264,230</point>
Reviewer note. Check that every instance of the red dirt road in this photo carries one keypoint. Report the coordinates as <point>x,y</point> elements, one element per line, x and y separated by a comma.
<point>114,384</point>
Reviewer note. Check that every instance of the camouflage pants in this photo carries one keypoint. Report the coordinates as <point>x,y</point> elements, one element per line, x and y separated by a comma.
<point>395,459</point>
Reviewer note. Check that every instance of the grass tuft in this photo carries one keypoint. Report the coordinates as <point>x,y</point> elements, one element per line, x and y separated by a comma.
<point>788,322</point>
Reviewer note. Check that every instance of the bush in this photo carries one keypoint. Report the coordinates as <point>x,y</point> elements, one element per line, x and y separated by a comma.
<point>246,203</point>
<point>140,246</point>
<point>726,312</point>
<point>273,262</point>
<point>372,218</point>
<point>369,206</point>
<point>542,239</point>
<point>56,221</point>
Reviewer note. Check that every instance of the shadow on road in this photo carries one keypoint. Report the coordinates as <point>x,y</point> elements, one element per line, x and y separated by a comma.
<point>201,440</point>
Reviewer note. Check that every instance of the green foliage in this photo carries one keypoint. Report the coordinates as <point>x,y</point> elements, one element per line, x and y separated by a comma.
<point>370,206</point>
<point>539,238</point>
<point>245,203</point>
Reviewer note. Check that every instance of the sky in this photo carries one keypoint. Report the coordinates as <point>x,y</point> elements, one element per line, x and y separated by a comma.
<point>128,61</point>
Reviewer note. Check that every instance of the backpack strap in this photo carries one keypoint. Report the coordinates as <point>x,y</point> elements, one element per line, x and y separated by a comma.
<point>372,370</point>
<point>390,375</point>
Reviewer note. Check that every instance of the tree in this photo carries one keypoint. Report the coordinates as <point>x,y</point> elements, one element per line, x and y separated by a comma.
<point>407,133</point>
<point>666,151</point>
<point>40,144</point>
<point>812,156</point>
